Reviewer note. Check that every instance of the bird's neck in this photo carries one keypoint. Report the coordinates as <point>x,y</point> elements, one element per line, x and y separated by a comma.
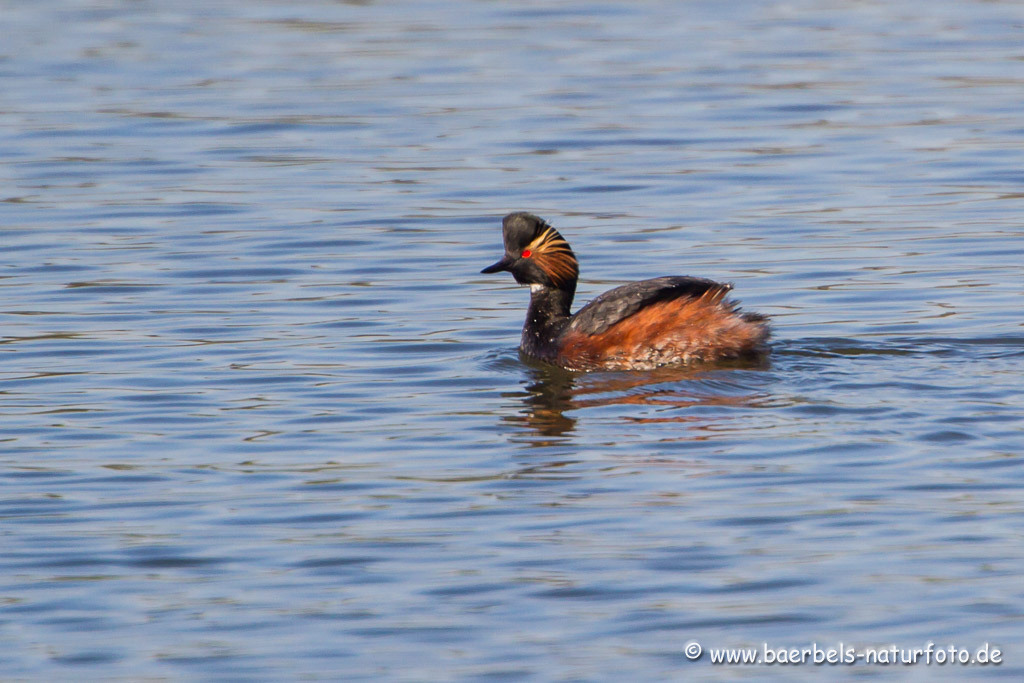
<point>546,319</point>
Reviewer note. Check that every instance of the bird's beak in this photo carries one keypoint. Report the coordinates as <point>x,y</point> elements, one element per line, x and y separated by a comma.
<point>503,264</point>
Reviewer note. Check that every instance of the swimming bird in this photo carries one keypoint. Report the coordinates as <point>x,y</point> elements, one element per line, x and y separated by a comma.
<point>638,326</point>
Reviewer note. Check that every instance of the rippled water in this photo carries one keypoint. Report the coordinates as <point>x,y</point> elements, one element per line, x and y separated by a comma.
<point>262,418</point>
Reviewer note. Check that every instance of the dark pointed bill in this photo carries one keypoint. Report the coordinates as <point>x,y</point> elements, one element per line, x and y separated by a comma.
<point>503,264</point>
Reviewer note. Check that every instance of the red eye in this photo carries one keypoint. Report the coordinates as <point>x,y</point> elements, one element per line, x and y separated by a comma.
<point>527,253</point>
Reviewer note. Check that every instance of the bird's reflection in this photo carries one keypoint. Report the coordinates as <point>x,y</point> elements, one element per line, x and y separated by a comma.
<point>553,394</point>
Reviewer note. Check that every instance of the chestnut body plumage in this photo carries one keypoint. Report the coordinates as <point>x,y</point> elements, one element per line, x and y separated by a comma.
<point>638,326</point>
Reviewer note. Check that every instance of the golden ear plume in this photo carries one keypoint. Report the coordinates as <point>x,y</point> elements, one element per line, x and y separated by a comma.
<point>555,257</point>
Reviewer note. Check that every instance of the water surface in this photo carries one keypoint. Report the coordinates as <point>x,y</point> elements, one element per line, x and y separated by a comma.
<point>263,418</point>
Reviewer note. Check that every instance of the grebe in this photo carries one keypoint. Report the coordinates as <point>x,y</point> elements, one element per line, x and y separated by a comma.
<point>638,326</point>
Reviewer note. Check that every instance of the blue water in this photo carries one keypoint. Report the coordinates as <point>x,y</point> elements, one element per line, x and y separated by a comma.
<point>262,418</point>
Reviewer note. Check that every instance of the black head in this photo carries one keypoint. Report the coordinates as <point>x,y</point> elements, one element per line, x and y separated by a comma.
<point>535,253</point>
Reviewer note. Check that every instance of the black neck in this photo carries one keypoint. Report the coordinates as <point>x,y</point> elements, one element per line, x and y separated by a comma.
<point>546,320</point>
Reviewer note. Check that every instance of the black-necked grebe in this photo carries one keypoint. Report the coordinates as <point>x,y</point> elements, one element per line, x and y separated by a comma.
<point>639,326</point>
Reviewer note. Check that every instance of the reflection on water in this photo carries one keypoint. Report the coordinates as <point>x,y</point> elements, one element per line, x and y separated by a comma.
<point>671,391</point>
